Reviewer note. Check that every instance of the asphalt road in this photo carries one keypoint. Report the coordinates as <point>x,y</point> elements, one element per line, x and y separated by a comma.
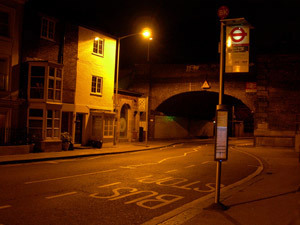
<point>129,188</point>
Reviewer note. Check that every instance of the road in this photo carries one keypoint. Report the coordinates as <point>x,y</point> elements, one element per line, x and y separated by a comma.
<point>129,188</point>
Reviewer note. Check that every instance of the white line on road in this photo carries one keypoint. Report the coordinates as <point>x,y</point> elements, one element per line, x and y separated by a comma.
<point>5,206</point>
<point>189,166</point>
<point>171,171</point>
<point>61,195</point>
<point>66,177</point>
<point>161,161</point>
<point>107,185</point>
<point>208,162</point>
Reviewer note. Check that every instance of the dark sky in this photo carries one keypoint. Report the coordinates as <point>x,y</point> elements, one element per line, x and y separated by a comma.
<point>185,31</point>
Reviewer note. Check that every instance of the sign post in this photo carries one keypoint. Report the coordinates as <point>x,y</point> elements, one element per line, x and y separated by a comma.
<point>237,43</point>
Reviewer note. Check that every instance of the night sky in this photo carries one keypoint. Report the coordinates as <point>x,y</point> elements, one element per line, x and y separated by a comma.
<point>184,31</point>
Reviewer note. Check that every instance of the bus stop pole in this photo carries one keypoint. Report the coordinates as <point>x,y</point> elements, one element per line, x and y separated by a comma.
<point>221,93</point>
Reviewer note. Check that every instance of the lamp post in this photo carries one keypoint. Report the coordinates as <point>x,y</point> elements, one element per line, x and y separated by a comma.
<point>146,33</point>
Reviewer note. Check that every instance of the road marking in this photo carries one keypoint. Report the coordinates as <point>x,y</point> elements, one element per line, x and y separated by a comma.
<point>5,206</point>
<point>189,166</point>
<point>66,177</point>
<point>107,185</point>
<point>61,195</point>
<point>161,161</point>
<point>207,162</point>
<point>171,171</point>
<point>193,208</point>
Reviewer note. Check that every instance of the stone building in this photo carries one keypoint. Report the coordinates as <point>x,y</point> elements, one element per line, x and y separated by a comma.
<point>68,81</point>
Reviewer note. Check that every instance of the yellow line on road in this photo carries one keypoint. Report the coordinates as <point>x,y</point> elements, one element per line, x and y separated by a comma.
<point>66,177</point>
<point>61,195</point>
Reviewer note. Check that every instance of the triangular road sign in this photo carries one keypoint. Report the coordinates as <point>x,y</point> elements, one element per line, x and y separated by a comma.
<point>205,85</point>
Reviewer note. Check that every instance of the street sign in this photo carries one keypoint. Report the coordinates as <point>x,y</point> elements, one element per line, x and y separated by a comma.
<point>221,146</point>
<point>237,49</point>
<point>205,85</point>
<point>223,12</point>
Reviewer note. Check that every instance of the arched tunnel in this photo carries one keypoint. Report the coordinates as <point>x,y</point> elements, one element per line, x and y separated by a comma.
<point>192,114</point>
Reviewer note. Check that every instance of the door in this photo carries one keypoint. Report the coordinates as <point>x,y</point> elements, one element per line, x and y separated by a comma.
<point>78,128</point>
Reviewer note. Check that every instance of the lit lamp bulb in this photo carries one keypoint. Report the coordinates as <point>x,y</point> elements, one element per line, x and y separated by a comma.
<point>229,42</point>
<point>146,33</point>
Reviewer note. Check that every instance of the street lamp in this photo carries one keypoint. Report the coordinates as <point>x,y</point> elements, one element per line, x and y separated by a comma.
<point>146,33</point>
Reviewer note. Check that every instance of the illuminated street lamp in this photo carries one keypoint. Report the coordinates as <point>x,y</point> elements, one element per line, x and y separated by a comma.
<point>146,33</point>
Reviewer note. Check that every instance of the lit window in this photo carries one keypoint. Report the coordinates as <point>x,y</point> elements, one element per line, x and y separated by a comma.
<point>4,24</point>
<point>96,85</point>
<point>54,84</point>
<point>53,123</point>
<point>98,46</point>
<point>47,29</point>
<point>108,127</point>
<point>3,74</point>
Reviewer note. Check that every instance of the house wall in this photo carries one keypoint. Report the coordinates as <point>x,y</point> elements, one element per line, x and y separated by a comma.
<point>89,64</point>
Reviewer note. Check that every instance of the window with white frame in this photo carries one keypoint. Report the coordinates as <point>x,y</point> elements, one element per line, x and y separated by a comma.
<point>108,127</point>
<point>3,74</point>
<point>4,24</point>
<point>37,80</point>
<point>35,123</point>
<point>47,28</point>
<point>97,85</point>
<point>98,46</point>
<point>53,123</point>
<point>54,84</point>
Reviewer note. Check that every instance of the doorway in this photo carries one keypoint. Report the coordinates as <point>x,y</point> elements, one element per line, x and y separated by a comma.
<point>78,128</point>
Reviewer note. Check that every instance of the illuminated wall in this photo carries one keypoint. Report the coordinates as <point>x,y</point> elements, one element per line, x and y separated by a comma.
<point>89,64</point>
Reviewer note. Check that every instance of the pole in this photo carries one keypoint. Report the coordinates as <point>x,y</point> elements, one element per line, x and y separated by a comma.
<point>116,95</point>
<point>221,93</point>
<point>147,127</point>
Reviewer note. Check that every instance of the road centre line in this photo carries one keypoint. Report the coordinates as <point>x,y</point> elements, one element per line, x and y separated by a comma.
<point>189,166</point>
<point>171,171</point>
<point>61,195</point>
<point>5,206</point>
<point>107,185</point>
<point>208,162</point>
<point>161,161</point>
<point>72,176</point>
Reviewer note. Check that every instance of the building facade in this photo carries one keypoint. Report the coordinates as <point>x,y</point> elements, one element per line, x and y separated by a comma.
<point>67,80</point>
<point>11,12</point>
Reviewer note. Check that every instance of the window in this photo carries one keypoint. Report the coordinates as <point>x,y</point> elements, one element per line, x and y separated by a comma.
<point>47,29</point>
<point>54,83</point>
<point>35,123</point>
<point>98,46</point>
<point>3,74</point>
<point>96,85</point>
<point>4,24</point>
<point>108,127</point>
<point>53,123</point>
<point>37,79</point>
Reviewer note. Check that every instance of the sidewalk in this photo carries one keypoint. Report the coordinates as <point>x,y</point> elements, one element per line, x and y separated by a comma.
<point>85,152</point>
<point>273,197</point>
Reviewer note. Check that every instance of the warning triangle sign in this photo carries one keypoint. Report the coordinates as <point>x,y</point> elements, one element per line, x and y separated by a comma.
<point>205,85</point>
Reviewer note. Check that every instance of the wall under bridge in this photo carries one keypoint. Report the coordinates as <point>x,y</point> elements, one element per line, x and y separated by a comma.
<point>272,95</point>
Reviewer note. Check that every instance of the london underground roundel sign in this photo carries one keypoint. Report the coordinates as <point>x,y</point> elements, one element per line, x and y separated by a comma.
<point>238,34</point>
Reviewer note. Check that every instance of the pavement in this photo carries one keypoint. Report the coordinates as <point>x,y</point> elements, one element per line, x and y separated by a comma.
<point>272,196</point>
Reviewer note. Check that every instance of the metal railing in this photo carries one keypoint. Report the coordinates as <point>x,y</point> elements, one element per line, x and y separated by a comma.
<point>13,136</point>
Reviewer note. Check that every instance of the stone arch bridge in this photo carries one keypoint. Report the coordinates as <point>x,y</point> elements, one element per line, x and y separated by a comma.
<point>268,95</point>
